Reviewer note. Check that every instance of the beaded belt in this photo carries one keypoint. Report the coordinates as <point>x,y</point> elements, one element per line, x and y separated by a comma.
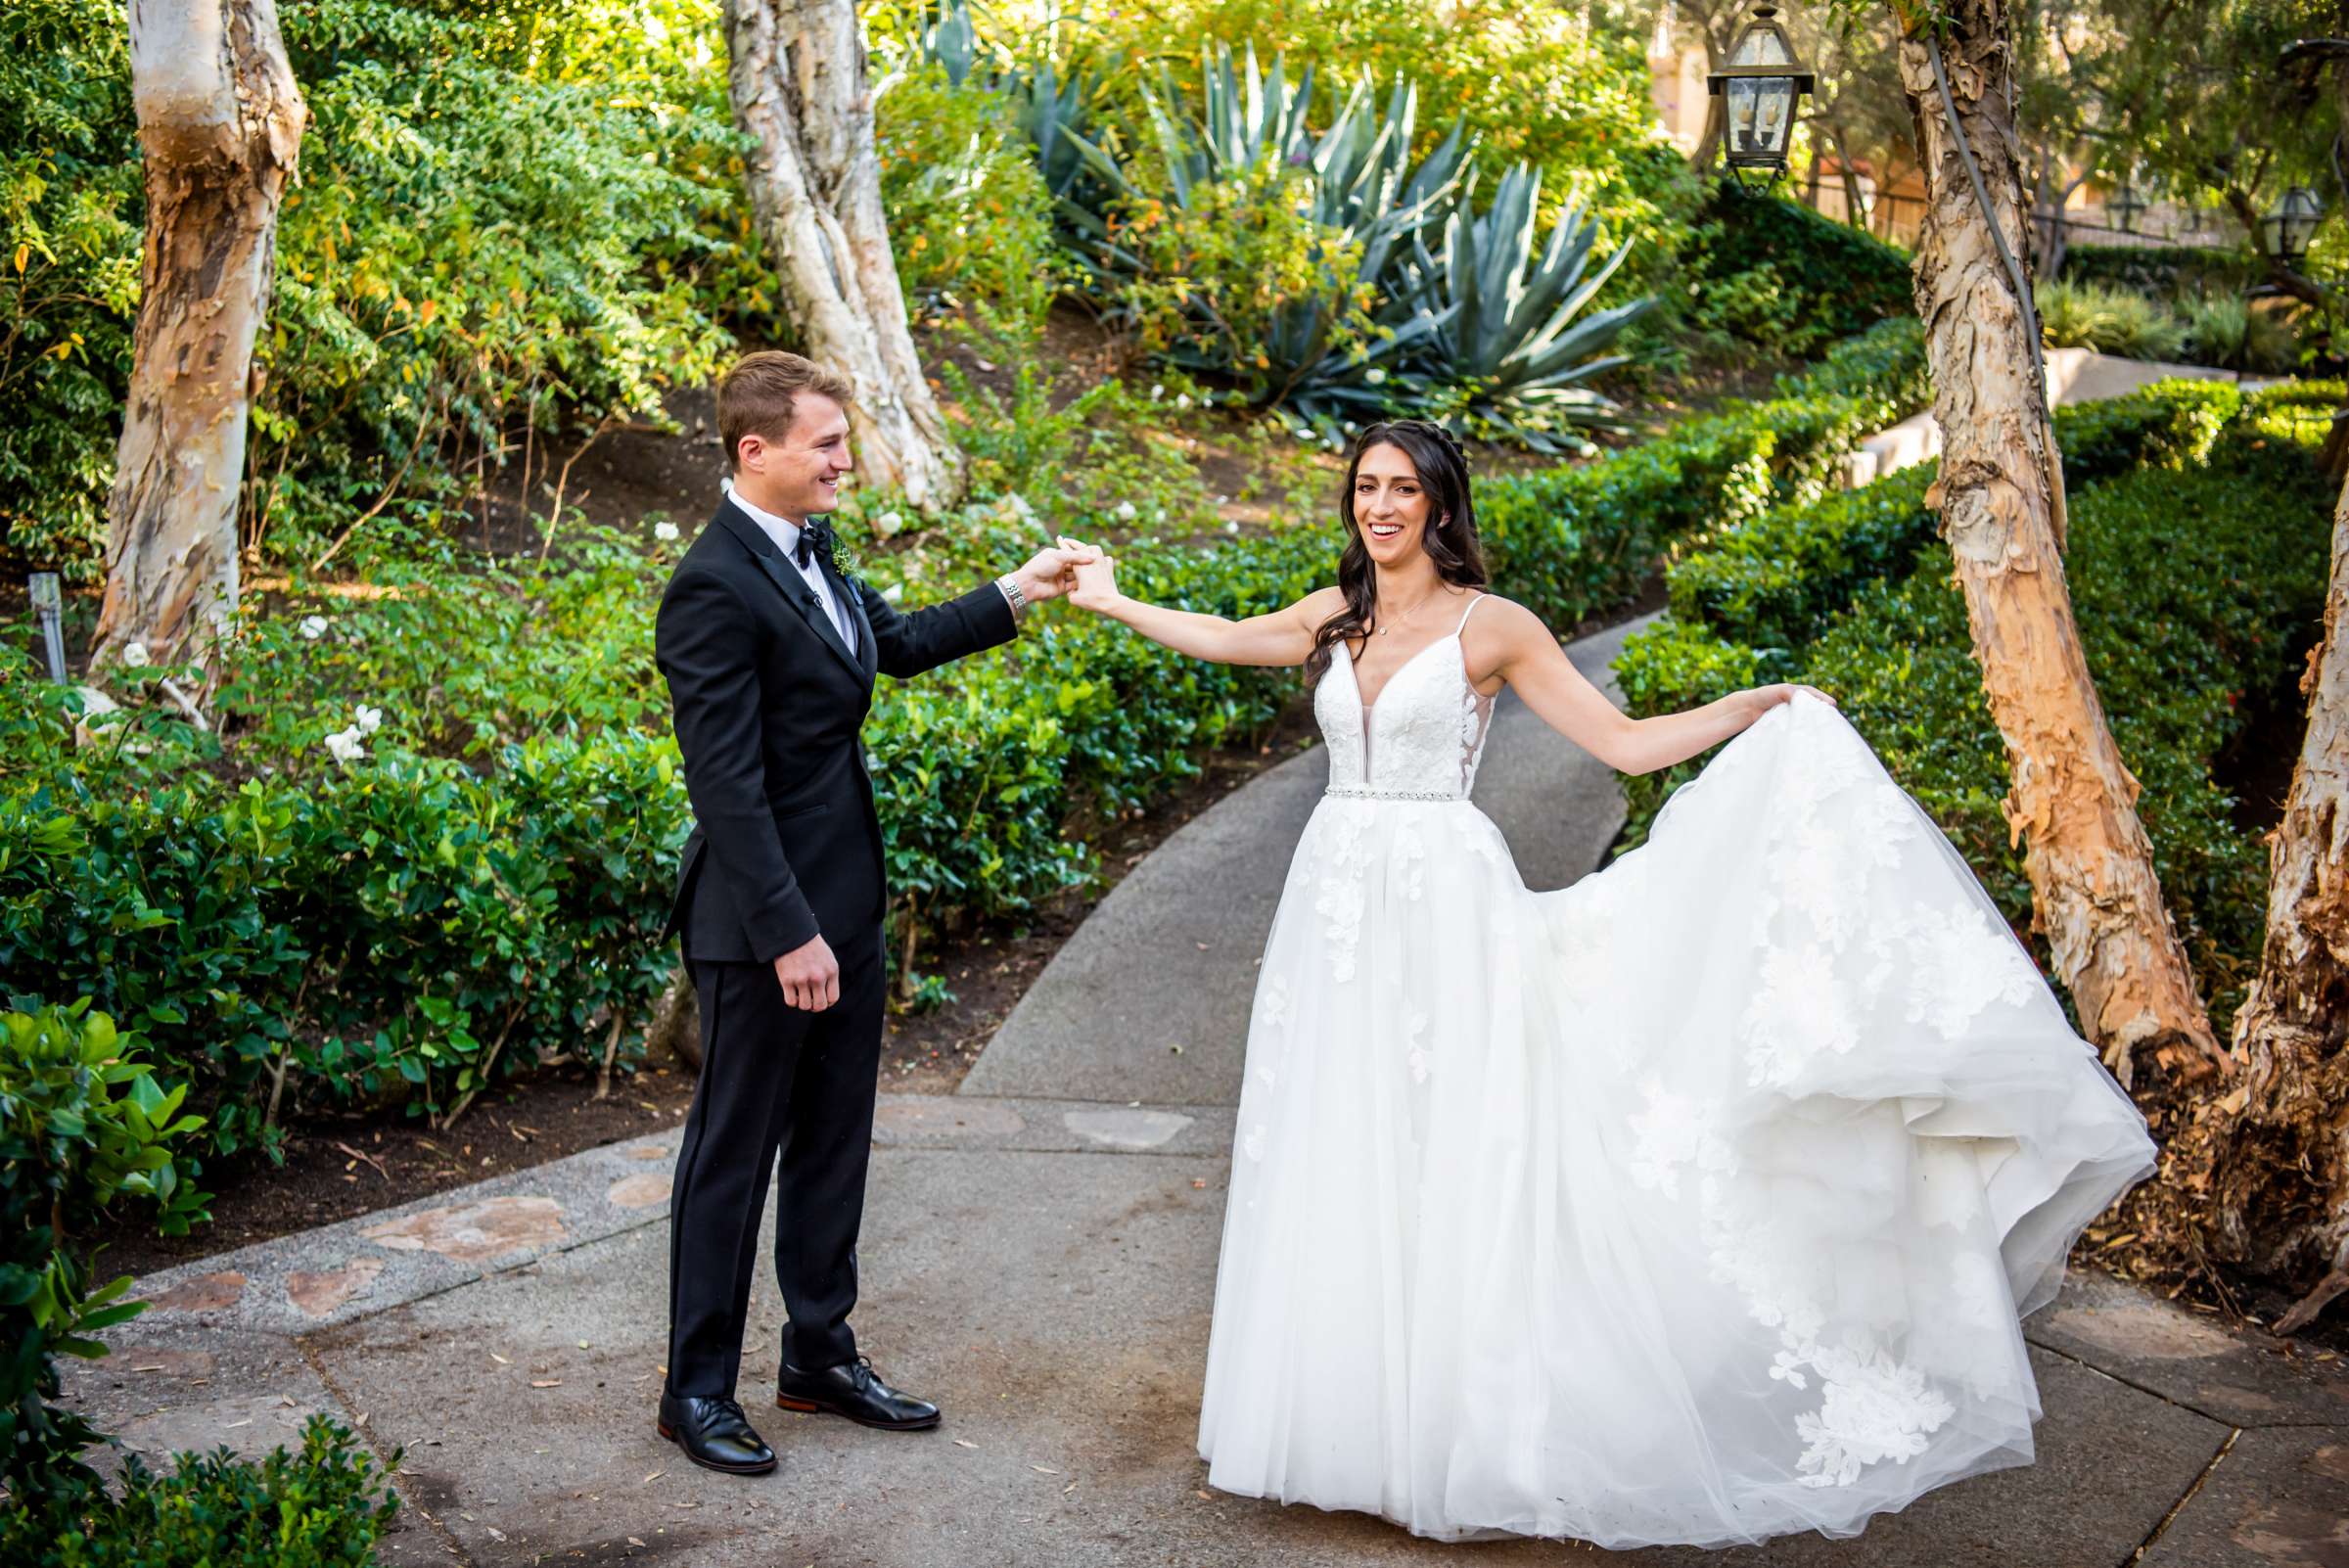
<point>1363,791</point>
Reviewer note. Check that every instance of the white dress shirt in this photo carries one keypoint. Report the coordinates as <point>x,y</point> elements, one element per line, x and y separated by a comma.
<point>786,534</point>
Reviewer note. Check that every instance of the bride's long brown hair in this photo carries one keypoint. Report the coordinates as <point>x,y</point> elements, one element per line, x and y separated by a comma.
<point>1450,537</point>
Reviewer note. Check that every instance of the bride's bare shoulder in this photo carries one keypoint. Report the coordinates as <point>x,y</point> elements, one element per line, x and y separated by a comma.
<point>1320,605</point>
<point>1497,618</point>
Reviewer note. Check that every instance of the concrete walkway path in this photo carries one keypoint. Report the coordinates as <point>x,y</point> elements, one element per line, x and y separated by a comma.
<point>1040,1256</point>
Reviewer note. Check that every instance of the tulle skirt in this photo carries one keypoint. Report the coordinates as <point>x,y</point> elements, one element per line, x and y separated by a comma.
<point>1698,1202</point>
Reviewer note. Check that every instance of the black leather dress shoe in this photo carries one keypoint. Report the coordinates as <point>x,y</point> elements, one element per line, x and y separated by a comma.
<point>714,1434</point>
<point>853,1390</point>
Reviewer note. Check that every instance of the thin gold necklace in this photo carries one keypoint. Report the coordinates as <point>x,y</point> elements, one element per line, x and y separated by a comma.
<point>1383,627</point>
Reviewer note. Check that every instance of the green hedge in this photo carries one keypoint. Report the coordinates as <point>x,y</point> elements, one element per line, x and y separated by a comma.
<point>323,1507</point>
<point>1776,273</point>
<point>2190,586</point>
<point>476,895</point>
<point>1773,582</point>
<point>83,1124</point>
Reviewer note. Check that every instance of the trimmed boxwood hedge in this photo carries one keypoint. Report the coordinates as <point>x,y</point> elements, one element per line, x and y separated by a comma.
<point>1772,582</point>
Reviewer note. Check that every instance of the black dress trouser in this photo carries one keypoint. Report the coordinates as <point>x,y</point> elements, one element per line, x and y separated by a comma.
<point>775,1081</point>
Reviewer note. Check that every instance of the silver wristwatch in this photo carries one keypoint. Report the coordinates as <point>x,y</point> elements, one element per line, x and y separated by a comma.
<point>1012,594</point>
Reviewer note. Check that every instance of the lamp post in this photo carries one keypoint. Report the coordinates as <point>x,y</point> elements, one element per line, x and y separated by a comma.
<point>1758,90</point>
<point>2291,225</point>
<point>2127,206</point>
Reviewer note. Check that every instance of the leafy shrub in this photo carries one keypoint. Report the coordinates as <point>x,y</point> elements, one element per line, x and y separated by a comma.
<point>472,241</point>
<point>2110,321</point>
<point>2227,330</point>
<point>323,1507</point>
<point>69,273</point>
<point>970,220</point>
<point>83,1124</point>
<point>1773,582</point>
<point>1771,271</point>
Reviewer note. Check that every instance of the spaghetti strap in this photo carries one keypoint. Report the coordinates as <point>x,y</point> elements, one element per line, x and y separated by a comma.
<point>1471,610</point>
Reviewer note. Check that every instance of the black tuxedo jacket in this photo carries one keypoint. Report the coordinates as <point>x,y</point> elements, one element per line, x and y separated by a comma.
<point>768,702</point>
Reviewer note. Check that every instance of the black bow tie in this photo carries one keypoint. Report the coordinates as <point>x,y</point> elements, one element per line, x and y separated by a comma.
<point>815,539</point>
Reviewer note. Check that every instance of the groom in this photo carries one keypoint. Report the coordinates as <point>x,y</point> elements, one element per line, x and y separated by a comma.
<point>771,653</point>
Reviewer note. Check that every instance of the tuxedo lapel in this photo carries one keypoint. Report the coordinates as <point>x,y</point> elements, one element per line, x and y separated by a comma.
<point>793,586</point>
<point>869,650</point>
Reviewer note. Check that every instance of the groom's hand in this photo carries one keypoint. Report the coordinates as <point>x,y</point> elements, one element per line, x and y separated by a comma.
<point>810,975</point>
<point>1095,581</point>
<point>1049,573</point>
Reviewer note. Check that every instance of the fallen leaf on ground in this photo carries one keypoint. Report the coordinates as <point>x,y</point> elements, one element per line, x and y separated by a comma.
<point>650,1479</point>
<point>633,1541</point>
<point>500,1359</point>
<point>546,1382</point>
<point>964,1443</point>
<point>1043,1469</point>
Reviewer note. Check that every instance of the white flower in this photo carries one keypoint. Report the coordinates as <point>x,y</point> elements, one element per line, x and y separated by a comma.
<point>665,532</point>
<point>1157,390</point>
<point>1127,511</point>
<point>1231,526</point>
<point>1374,376</point>
<point>1159,515</point>
<point>894,592</point>
<point>1184,402</point>
<point>135,655</point>
<point>347,745</point>
<point>371,720</point>
<point>890,523</point>
<point>312,627</point>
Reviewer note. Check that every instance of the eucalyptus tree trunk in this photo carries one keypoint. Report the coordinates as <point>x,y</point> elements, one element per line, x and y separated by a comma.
<point>799,94</point>
<point>2001,499</point>
<point>221,121</point>
<point>2279,1187</point>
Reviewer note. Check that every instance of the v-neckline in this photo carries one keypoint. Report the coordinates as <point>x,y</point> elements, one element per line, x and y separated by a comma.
<point>1354,669</point>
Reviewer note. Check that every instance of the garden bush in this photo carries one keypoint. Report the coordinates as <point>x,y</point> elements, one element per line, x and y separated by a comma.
<point>2190,585</point>
<point>83,1122</point>
<point>2108,320</point>
<point>1770,271</point>
<point>1773,581</point>
<point>323,1507</point>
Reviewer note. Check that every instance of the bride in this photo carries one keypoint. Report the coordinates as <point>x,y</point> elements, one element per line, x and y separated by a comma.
<point>1697,1202</point>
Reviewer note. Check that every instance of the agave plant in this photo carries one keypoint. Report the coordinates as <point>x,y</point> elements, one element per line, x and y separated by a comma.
<point>1362,188</point>
<point>1504,316</point>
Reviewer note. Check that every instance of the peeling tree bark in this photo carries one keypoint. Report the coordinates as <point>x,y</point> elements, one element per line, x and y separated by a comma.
<point>221,121</point>
<point>2280,1180</point>
<point>799,94</point>
<point>2073,802</point>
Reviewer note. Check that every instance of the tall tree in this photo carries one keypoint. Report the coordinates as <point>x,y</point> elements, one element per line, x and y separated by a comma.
<point>2001,498</point>
<point>220,122</point>
<point>800,94</point>
<point>2280,1184</point>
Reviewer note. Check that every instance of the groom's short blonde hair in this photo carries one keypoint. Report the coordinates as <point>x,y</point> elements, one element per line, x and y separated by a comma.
<point>755,398</point>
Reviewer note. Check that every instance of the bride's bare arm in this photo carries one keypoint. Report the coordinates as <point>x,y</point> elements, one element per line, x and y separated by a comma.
<point>1522,652</point>
<point>1284,636</point>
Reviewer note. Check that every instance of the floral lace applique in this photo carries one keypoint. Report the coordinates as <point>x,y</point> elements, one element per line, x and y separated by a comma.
<point>1675,1132</point>
<point>1798,1013</point>
<point>1873,1408</point>
<point>1959,963</point>
<point>1267,1045</point>
<point>1342,899</point>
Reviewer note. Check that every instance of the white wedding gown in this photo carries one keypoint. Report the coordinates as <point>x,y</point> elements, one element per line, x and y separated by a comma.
<point>1694,1203</point>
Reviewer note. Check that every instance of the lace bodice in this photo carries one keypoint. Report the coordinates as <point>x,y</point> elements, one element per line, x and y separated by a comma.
<point>1423,737</point>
